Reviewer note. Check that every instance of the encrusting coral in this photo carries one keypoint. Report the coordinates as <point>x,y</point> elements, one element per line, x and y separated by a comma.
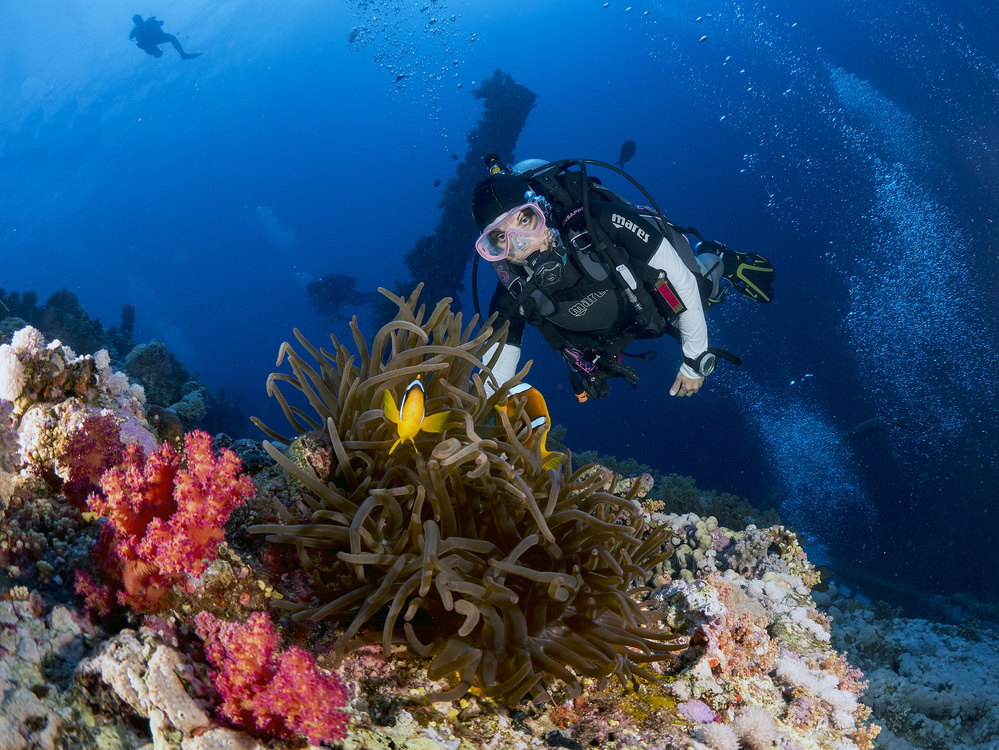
<point>463,548</point>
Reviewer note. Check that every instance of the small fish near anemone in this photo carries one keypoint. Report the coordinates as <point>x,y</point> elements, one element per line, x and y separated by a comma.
<point>411,417</point>
<point>510,578</point>
<point>536,411</point>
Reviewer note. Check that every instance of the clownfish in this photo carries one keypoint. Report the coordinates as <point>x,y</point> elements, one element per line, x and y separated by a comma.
<point>536,411</point>
<point>411,416</point>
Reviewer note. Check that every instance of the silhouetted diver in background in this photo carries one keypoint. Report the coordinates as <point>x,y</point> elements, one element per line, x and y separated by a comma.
<point>330,292</point>
<point>149,34</point>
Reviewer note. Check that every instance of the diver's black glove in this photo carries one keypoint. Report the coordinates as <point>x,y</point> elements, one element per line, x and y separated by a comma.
<point>588,373</point>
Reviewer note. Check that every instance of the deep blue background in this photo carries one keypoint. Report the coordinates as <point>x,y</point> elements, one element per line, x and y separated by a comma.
<point>853,144</point>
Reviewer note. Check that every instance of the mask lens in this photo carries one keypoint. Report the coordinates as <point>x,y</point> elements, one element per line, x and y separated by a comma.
<point>488,249</point>
<point>507,233</point>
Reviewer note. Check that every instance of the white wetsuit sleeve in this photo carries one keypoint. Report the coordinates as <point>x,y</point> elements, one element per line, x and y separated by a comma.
<point>693,329</point>
<point>505,367</point>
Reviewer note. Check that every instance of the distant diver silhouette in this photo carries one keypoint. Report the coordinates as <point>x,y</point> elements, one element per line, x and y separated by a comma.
<point>334,290</point>
<point>149,34</point>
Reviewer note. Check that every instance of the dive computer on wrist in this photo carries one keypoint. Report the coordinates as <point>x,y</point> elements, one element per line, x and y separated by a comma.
<point>703,364</point>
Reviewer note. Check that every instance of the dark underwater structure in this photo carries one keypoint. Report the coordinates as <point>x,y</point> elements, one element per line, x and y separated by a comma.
<point>439,260</point>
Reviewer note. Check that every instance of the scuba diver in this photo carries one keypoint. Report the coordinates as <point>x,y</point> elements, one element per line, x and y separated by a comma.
<point>594,272</point>
<point>149,34</point>
<point>334,290</point>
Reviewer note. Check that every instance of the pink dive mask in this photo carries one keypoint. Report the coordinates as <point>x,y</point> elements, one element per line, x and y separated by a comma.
<point>511,232</point>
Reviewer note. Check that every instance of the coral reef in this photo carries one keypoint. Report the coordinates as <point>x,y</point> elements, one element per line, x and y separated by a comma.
<point>62,317</point>
<point>84,454</point>
<point>760,669</point>
<point>679,495</point>
<point>36,651</point>
<point>35,373</point>
<point>72,416</point>
<point>463,548</point>
<point>142,675</point>
<point>168,385</point>
<point>931,684</point>
<point>760,651</point>
<point>182,402</point>
<point>9,453</point>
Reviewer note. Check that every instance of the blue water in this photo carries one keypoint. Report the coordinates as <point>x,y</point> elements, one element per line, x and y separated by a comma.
<point>855,144</point>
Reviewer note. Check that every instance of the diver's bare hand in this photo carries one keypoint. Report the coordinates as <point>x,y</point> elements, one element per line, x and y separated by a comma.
<point>684,386</point>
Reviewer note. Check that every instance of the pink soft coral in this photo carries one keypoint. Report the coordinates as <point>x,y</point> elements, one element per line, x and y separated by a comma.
<point>166,515</point>
<point>87,453</point>
<point>267,692</point>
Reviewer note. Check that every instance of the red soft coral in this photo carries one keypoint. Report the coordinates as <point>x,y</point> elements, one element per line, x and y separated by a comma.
<point>205,494</point>
<point>97,597</point>
<point>166,515</point>
<point>267,692</point>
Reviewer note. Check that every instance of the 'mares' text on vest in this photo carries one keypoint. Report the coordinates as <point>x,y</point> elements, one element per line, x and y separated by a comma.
<point>580,307</point>
<point>620,221</point>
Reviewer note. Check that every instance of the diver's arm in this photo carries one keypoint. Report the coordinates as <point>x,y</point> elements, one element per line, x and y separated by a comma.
<point>504,368</point>
<point>645,243</point>
<point>693,329</point>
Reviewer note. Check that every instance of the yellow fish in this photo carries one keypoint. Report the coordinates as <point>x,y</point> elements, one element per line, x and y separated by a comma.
<point>536,411</point>
<point>411,416</point>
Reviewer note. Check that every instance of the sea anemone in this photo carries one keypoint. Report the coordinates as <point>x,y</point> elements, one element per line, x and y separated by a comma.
<point>461,546</point>
<point>717,736</point>
<point>756,727</point>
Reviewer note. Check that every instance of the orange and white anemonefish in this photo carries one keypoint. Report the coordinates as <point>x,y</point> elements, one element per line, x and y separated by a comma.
<point>536,411</point>
<point>411,417</point>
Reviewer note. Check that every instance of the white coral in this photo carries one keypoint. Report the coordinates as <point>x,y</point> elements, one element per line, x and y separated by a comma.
<point>102,361</point>
<point>799,615</point>
<point>31,434</point>
<point>117,385</point>
<point>12,377</point>
<point>28,340</point>
<point>756,727</point>
<point>823,685</point>
<point>137,392</point>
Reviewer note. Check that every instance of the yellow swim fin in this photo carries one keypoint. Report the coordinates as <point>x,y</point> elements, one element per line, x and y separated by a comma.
<point>751,274</point>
